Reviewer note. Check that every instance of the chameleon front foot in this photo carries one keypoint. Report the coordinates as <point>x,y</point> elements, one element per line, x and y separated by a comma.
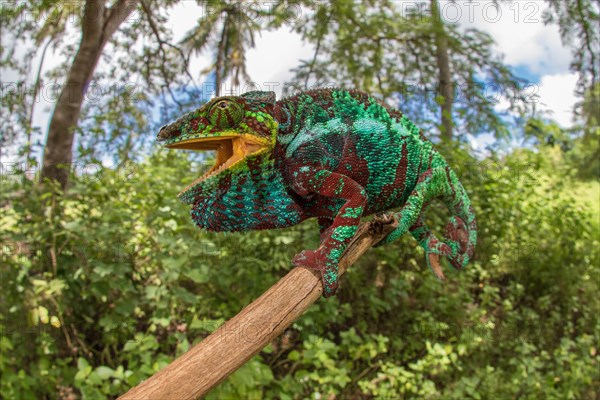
<point>316,260</point>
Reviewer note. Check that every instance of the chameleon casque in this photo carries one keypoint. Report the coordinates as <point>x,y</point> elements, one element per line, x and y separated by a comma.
<point>333,154</point>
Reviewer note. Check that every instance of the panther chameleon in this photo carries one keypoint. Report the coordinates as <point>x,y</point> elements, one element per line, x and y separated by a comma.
<point>333,154</point>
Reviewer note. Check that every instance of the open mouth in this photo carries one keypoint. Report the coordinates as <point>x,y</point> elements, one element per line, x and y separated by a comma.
<point>230,150</point>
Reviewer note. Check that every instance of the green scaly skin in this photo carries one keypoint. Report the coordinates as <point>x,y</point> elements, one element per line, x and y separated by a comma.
<point>332,154</point>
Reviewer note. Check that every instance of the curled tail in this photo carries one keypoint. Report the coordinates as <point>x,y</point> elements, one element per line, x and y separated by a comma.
<point>458,245</point>
<point>461,230</point>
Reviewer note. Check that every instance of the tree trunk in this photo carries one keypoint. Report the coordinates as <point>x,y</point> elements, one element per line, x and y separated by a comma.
<point>58,152</point>
<point>98,25</point>
<point>446,89</point>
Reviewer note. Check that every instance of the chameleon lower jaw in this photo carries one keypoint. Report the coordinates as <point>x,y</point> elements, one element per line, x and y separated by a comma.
<point>230,150</point>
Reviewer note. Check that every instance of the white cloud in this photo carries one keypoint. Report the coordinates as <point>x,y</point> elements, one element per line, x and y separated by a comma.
<point>557,96</point>
<point>517,29</point>
<point>525,41</point>
<point>519,33</point>
<point>275,54</point>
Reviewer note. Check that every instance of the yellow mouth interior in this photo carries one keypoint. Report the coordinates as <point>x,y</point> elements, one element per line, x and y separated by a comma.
<point>230,150</point>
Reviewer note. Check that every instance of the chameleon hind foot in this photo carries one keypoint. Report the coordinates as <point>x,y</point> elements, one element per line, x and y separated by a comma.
<point>384,218</point>
<point>379,221</point>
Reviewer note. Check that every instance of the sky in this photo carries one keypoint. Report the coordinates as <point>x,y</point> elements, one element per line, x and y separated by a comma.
<point>533,49</point>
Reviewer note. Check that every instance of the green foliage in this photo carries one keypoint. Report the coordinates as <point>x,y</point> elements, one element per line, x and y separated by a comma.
<point>580,144</point>
<point>114,275</point>
<point>105,285</point>
<point>388,48</point>
<point>578,26</point>
<point>229,27</point>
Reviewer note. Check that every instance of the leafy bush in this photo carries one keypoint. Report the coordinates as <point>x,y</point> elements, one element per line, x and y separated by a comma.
<point>105,285</point>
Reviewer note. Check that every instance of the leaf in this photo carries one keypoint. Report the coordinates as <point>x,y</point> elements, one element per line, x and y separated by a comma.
<point>151,292</point>
<point>207,325</point>
<point>197,276</point>
<point>175,263</point>
<point>185,295</point>
<point>82,363</point>
<point>104,372</point>
<point>130,345</point>
<point>84,369</point>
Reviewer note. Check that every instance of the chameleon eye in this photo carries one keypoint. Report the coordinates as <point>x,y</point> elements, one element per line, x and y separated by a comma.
<point>225,114</point>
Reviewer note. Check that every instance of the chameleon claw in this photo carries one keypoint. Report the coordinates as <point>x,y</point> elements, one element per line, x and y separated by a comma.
<point>434,263</point>
<point>384,218</point>
<point>433,256</point>
<point>378,221</point>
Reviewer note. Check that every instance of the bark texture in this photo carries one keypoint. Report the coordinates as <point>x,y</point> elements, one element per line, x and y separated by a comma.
<point>446,89</point>
<point>211,361</point>
<point>97,26</point>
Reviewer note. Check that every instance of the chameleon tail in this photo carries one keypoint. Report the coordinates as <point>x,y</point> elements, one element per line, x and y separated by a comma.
<point>458,245</point>
<point>461,230</point>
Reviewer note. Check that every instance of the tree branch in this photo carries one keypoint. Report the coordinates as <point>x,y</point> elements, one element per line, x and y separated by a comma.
<point>210,362</point>
<point>91,24</point>
<point>162,42</point>
<point>162,51</point>
<point>117,14</point>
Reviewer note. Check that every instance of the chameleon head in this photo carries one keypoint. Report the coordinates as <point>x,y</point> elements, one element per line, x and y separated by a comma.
<point>240,130</point>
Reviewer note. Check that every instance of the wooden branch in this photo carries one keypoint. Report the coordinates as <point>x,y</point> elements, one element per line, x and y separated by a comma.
<point>207,364</point>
